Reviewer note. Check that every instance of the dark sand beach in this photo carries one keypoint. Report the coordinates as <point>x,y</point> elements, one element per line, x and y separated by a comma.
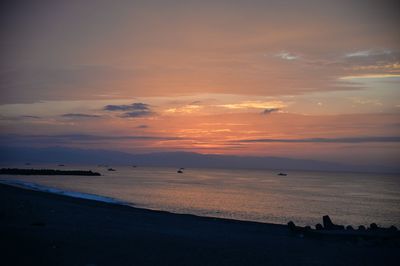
<point>39,228</point>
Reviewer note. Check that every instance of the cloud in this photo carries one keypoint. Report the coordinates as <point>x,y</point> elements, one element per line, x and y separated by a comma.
<point>130,107</point>
<point>379,67</point>
<point>18,118</point>
<point>358,54</point>
<point>77,115</point>
<point>133,110</point>
<point>186,109</point>
<point>287,56</point>
<point>371,64</point>
<point>143,126</point>
<point>135,114</point>
<point>367,101</point>
<point>370,76</point>
<point>30,116</point>
<point>327,140</point>
<point>366,53</point>
<point>255,105</point>
<point>75,138</point>
<point>270,110</point>
<point>101,137</point>
<point>373,61</point>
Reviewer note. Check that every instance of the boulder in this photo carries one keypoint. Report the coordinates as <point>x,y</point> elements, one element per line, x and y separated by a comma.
<point>292,226</point>
<point>361,228</point>
<point>349,228</point>
<point>328,225</point>
<point>393,228</point>
<point>373,227</point>
<point>319,227</point>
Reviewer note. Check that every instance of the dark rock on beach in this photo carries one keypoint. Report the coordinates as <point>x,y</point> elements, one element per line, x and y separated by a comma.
<point>373,227</point>
<point>329,225</point>
<point>291,226</point>
<point>393,228</point>
<point>349,228</point>
<point>318,227</point>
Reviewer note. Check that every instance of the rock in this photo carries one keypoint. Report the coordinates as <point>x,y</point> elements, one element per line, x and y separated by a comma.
<point>361,228</point>
<point>292,226</point>
<point>318,227</point>
<point>328,225</point>
<point>393,228</point>
<point>339,227</point>
<point>373,227</point>
<point>349,228</point>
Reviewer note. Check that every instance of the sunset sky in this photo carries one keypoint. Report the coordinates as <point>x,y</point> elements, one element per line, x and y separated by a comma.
<point>300,79</point>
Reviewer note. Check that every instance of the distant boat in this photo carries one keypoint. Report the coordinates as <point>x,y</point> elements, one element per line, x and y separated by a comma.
<point>61,165</point>
<point>180,170</point>
<point>111,169</point>
<point>282,174</point>
<point>134,166</point>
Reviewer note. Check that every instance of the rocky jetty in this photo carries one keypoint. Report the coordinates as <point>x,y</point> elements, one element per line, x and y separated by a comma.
<point>16,171</point>
<point>332,230</point>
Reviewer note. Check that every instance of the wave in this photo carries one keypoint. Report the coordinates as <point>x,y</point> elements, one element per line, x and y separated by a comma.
<point>73,194</point>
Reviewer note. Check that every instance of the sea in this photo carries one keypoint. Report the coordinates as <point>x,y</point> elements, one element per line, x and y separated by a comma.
<point>252,195</point>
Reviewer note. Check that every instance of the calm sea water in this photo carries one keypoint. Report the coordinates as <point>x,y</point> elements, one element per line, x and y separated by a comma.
<point>256,195</point>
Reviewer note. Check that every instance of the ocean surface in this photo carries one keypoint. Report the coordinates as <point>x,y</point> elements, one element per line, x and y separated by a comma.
<point>255,195</point>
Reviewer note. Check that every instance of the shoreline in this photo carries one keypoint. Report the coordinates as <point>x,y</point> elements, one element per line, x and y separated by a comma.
<point>50,229</point>
<point>56,191</point>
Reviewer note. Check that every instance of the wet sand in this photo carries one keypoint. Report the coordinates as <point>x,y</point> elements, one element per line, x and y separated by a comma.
<point>38,228</point>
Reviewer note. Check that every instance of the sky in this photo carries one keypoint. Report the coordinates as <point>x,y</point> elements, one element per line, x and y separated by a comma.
<point>299,79</point>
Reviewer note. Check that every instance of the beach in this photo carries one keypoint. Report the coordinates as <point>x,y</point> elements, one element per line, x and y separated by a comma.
<point>39,228</point>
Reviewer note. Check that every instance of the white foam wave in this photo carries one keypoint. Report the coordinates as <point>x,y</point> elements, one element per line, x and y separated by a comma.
<point>37,187</point>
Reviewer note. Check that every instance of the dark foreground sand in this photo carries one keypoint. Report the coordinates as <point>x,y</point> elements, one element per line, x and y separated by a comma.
<point>37,228</point>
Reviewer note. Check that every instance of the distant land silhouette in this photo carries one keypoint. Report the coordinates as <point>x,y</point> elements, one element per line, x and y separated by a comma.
<point>57,155</point>
<point>16,171</point>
